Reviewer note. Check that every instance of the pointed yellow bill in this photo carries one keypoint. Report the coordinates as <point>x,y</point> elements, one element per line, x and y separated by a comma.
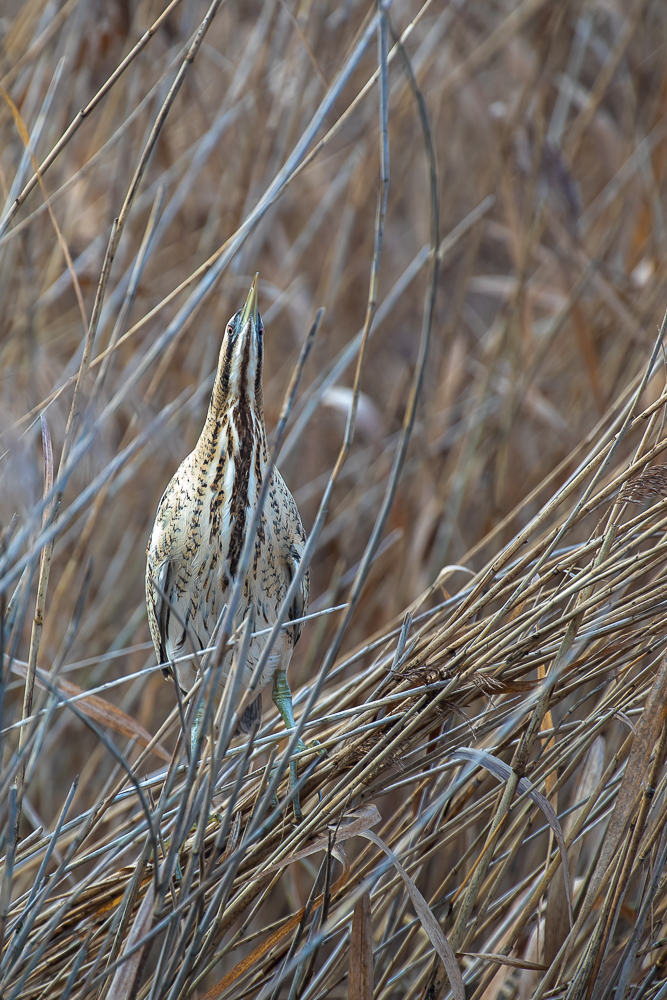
<point>250,307</point>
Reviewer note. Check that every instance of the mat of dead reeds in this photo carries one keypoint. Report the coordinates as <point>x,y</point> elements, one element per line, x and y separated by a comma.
<point>458,217</point>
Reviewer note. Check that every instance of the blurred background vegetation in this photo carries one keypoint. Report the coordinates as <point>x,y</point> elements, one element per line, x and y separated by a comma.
<point>549,123</point>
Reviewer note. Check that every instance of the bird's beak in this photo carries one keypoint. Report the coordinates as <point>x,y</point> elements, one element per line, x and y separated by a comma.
<point>250,307</point>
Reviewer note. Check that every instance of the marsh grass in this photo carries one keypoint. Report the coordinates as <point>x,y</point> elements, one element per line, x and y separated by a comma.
<point>474,432</point>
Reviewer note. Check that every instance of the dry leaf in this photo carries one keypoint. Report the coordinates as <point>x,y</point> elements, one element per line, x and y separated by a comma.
<point>514,963</point>
<point>427,920</point>
<point>636,770</point>
<point>547,724</point>
<point>101,711</point>
<point>355,826</point>
<point>359,820</point>
<point>123,983</point>
<point>275,938</point>
<point>499,769</point>
<point>556,919</point>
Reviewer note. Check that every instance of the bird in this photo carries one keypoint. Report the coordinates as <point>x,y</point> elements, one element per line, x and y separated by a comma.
<point>194,550</point>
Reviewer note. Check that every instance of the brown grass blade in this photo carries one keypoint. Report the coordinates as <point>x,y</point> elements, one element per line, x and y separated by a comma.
<point>272,941</point>
<point>125,981</point>
<point>428,922</point>
<point>502,771</point>
<point>557,924</point>
<point>102,711</point>
<point>360,976</point>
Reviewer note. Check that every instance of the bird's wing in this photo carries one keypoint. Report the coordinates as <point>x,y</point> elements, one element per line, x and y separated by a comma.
<point>291,546</point>
<point>299,606</point>
<point>158,581</point>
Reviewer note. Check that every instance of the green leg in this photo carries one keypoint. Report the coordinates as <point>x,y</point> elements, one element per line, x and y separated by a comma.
<point>282,699</point>
<point>194,731</point>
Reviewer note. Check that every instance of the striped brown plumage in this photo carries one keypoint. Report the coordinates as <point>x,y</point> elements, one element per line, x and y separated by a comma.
<point>195,546</point>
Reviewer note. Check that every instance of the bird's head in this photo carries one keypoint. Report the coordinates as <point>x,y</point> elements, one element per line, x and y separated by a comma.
<point>239,376</point>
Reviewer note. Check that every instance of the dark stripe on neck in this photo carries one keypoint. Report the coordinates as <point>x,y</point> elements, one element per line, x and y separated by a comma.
<point>243,459</point>
<point>220,394</point>
<point>258,374</point>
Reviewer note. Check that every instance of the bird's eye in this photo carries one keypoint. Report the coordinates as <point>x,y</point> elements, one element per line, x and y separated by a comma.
<point>230,329</point>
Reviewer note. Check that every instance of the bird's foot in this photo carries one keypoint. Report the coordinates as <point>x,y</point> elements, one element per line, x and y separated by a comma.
<point>282,698</point>
<point>291,784</point>
<point>317,746</point>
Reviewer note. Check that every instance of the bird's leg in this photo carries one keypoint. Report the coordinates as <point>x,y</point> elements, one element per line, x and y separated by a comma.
<point>282,699</point>
<point>194,729</point>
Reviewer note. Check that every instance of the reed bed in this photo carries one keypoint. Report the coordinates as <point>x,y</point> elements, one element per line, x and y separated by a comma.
<point>457,216</point>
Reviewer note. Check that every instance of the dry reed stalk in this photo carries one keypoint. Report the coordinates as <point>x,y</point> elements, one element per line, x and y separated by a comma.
<point>486,498</point>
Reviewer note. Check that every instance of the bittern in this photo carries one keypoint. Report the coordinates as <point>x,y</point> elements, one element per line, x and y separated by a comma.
<point>200,528</point>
